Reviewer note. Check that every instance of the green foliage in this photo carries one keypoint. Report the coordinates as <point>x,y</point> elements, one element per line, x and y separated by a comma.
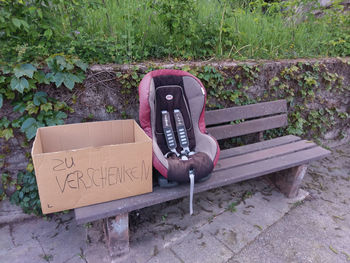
<point>20,84</point>
<point>232,207</point>
<point>300,84</point>
<point>180,18</point>
<point>61,66</point>
<point>124,31</point>
<point>6,131</point>
<point>26,194</point>
<point>110,109</point>
<point>6,181</point>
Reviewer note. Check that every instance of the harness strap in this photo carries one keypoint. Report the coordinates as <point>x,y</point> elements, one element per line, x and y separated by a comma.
<point>182,132</point>
<point>168,132</point>
<point>183,141</point>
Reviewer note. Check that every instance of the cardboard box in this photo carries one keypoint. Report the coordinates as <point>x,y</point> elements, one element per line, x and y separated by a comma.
<point>88,163</point>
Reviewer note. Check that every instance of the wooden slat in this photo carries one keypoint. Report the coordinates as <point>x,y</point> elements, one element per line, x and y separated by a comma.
<point>263,154</point>
<point>245,172</point>
<point>218,179</point>
<point>245,112</point>
<point>247,127</point>
<point>257,146</point>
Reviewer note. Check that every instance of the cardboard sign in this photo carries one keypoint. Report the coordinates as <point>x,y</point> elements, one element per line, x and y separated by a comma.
<point>88,163</point>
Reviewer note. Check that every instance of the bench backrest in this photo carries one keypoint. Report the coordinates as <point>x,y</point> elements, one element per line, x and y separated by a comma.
<point>255,118</point>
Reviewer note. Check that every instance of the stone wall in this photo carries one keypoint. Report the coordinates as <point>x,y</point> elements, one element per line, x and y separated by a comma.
<point>105,86</point>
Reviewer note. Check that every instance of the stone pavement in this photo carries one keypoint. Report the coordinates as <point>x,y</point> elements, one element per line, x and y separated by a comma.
<point>245,222</point>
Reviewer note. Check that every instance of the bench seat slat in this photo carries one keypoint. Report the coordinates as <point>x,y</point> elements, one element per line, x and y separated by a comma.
<point>259,168</point>
<point>219,178</point>
<point>245,112</point>
<point>258,146</point>
<point>247,127</point>
<point>263,154</point>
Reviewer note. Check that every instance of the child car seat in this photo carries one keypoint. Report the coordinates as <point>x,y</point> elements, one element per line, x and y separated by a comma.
<point>172,108</point>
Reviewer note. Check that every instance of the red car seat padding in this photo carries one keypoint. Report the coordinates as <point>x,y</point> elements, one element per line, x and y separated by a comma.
<point>175,89</point>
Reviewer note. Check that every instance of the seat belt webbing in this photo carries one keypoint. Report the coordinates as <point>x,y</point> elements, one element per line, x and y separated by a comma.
<point>181,132</point>
<point>168,132</point>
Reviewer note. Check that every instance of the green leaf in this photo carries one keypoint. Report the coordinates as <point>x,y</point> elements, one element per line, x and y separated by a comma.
<point>81,64</point>
<point>19,84</point>
<point>7,133</point>
<point>31,108</point>
<point>46,107</point>
<point>16,123</point>
<point>10,94</point>
<point>20,107</point>
<point>27,123</point>
<point>59,105</point>
<point>4,122</point>
<point>70,80</point>
<point>40,13</point>
<point>28,97</point>
<point>25,70</point>
<point>56,119</point>
<point>29,127</point>
<point>5,69</point>
<point>1,101</point>
<point>48,33</point>
<point>41,77</point>
<point>40,98</point>
<point>58,63</point>
<point>17,22</point>
<point>61,115</point>
<point>58,79</point>
<point>61,61</point>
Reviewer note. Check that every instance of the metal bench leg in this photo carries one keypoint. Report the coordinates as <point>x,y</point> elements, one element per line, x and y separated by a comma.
<point>117,235</point>
<point>288,181</point>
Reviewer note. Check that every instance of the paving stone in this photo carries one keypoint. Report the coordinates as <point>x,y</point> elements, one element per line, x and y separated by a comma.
<point>95,249</point>
<point>58,245</point>
<point>280,202</point>
<point>166,255</point>
<point>5,240</point>
<point>27,253</point>
<point>201,248</point>
<point>25,231</point>
<point>231,230</point>
<point>61,239</point>
<point>10,213</point>
<point>315,231</point>
<point>257,212</point>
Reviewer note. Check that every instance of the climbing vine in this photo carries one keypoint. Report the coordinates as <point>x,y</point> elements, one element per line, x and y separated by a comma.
<point>304,85</point>
<point>22,89</point>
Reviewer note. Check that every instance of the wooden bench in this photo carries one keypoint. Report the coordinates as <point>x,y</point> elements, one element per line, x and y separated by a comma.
<point>284,159</point>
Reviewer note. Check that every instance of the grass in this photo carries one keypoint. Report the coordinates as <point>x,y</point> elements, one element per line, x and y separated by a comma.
<point>133,30</point>
<point>229,32</point>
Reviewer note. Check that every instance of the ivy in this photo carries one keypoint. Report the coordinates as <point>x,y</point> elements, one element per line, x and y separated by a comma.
<point>300,84</point>
<point>26,194</point>
<point>24,70</point>
<point>20,87</point>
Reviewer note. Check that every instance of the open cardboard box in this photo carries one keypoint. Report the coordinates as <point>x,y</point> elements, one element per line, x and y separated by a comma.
<point>88,163</point>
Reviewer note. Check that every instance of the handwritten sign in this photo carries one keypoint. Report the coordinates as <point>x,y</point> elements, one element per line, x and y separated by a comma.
<point>69,178</point>
<point>74,178</point>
